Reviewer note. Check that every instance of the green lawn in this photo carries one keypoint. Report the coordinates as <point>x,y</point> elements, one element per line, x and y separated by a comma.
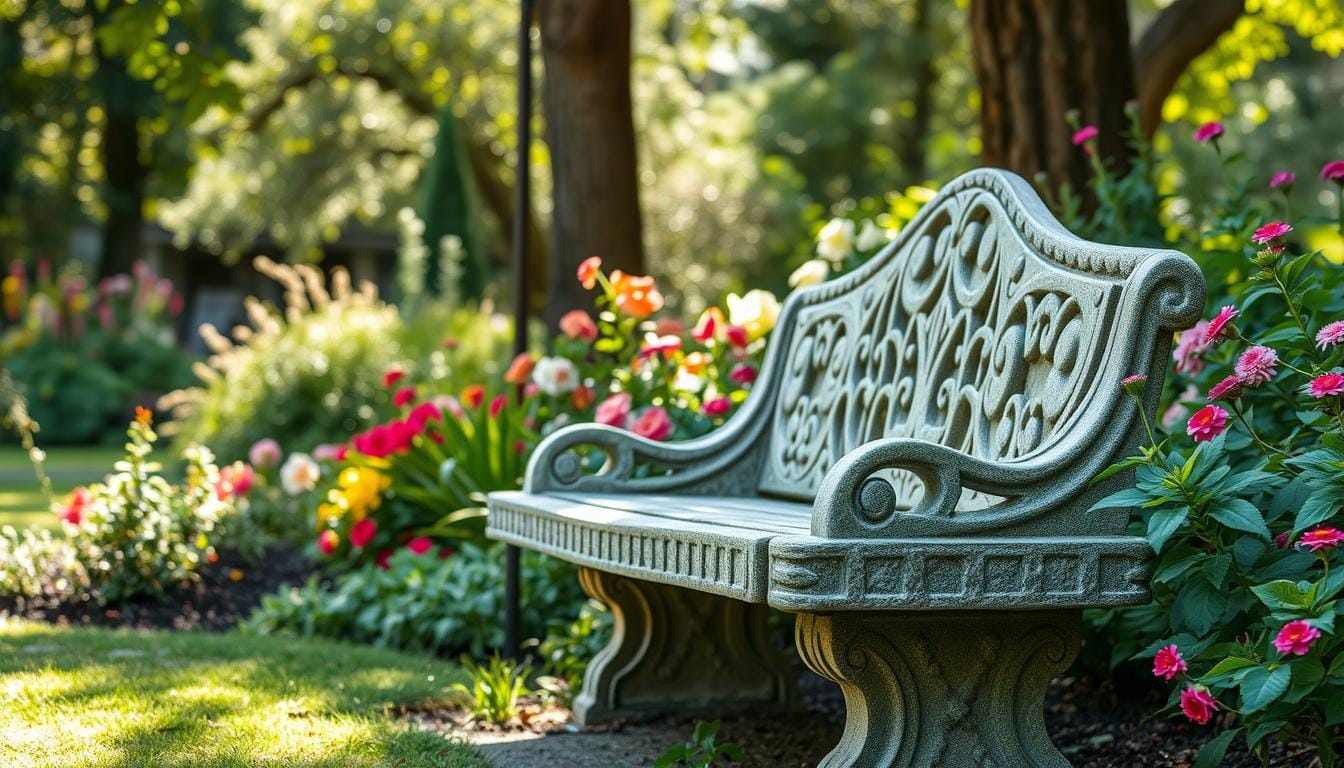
<point>22,502</point>
<point>78,698</point>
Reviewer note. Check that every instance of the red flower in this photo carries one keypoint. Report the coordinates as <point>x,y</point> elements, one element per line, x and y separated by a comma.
<point>583,397</point>
<point>653,423</point>
<point>576,324</point>
<point>383,556</point>
<point>1296,638</point>
<point>588,271</point>
<point>75,505</point>
<point>1333,171</point>
<point>1256,365</point>
<point>1168,663</point>
<point>1197,704</point>
<point>403,397</point>
<point>709,325</point>
<point>422,414</point>
<point>391,378</point>
<point>1327,384</point>
<point>1270,232</point>
<point>235,480</point>
<point>327,541</point>
<point>717,407</point>
<point>1208,132</point>
<point>1084,134</point>
<point>1323,537</point>
<point>473,396</point>
<point>742,374</point>
<point>520,369</point>
<point>614,411</point>
<point>497,405</point>
<point>1207,423</point>
<point>1221,324</point>
<point>1228,389</point>
<point>737,336</point>
<point>420,545</point>
<point>1282,179</point>
<point>362,532</point>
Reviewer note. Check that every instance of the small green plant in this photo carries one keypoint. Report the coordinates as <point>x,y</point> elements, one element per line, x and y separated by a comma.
<point>702,751</point>
<point>495,688</point>
<point>569,646</point>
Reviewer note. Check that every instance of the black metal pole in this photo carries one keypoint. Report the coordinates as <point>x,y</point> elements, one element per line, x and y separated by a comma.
<point>521,208</point>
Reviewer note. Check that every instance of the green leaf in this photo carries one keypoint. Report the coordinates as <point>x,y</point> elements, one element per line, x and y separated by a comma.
<point>1162,523</point>
<point>1227,669</point>
<point>1211,754</point>
<point>1334,709</point>
<point>1129,497</point>
<point>1240,515</point>
<point>1262,686</point>
<point>1281,595</point>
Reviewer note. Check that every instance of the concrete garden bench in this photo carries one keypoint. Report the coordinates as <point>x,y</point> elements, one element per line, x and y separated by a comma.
<point>910,477</point>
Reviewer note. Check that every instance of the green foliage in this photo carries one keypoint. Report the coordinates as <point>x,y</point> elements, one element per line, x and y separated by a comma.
<point>494,690</point>
<point>702,751</point>
<point>32,558</point>
<point>442,604</point>
<point>569,646</point>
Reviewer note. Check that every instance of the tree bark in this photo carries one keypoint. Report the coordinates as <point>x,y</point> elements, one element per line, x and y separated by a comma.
<point>1183,31</point>
<point>1035,61</point>
<point>913,149</point>
<point>590,132</point>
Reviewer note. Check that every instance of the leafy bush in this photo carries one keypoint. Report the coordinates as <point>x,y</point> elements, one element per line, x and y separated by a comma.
<point>427,602</point>
<point>569,646</point>
<point>495,688</point>
<point>702,751</point>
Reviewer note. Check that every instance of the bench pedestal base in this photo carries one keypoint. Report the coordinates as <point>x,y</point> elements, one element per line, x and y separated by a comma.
<point>942,688</point>
<point>675,650</point>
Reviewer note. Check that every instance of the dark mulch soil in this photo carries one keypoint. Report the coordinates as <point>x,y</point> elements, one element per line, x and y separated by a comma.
<point>227,592</point>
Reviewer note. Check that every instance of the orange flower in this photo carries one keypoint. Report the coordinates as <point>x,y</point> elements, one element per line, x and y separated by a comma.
<point>144,415</point>
<point>695,362</point>
<point>473,396</point>
<point>588,271</point>
<point>520,369</point>
<point>635,296</point>
<point>576,324</point>
<point>583,396</point>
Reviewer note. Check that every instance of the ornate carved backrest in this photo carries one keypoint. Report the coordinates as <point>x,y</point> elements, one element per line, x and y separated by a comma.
<point>985,327</point>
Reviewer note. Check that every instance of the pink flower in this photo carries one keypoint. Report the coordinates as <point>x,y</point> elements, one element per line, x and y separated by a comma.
<point>420,545</point>
<point>1134,383</point>
<point>1208,131</point>
<point>614,411</point>
<point>235,480</point>
<point>329,452</point>
<point>497,405</point>
<point>403,397</point>
<point>1221,324</point>
<point>742,374</point>
<point>327,541</point>
<point>576,324</point>
<point>1084,134</point>
<point>1322,537</point>
<point>1197,704</point>
<point>717,407</point>
<point>1256,365</point>
<point>1190,348</point>
<point>75,504</point>
<point>1333,171</point>
<point>265,453</point>
<point>1327,384</point>
<point>1330,335</point>
<point>362,532</point>
<point>1168,663</point>
<point>652,423</point>
<point>1270,232</point>
<point>737,336</point>
<point>1282,179</point>
<point>1296,637</point>
<point>1228,389</point>
<point>1207,423</point>
<point>588,270</point>
<point>422,414</point>
<point>391,378</point>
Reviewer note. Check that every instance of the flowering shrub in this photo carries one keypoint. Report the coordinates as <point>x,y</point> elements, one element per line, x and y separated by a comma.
<point>1242,503</point>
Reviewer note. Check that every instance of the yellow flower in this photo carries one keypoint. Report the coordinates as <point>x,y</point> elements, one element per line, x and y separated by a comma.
<point>325,513</point>
<point>756,312</point>
<point>362,490</point>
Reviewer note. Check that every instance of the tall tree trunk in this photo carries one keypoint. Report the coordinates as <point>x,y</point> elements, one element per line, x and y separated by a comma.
<point>913,149</point>
<point>590,132</point>
<point>1035,61</point>
<point>125,174</point>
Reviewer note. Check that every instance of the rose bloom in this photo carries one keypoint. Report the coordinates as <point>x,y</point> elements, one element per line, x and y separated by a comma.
<point>555,375</point>
<point>588,271</point>
<point>1084,134</point>
<point>403,397</point>
<point>614,411</point>
<point>327,541</point>
<point>1207,423</point>
<point>1327,384</point>
<point>1330,334</point>
<point>717,407</point>
<point>362,532</point>
<point>653,423</point>
<point>1168,663</point>
<point>1228,389</point>
<point>1190,347</point>
<point>636,296</point>
<point>520,369</point>
<point>576,324</point>
<point>265,453</point>
<point>1256,365</point>
<point>1208,131</point>
<point>1296,638</point>
<point>1270,232</point>
<point>1197,704</point>
<point>1333,171</point>
<point>300,473</point>
<point>1323,537</point>
<point>1282,179</point>
<point>235,480</point>
<point>1220,324</point>
<point>391,378</point>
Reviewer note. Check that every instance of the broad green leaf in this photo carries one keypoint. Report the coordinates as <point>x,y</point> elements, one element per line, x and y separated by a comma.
<point>1334,709</point>
<point>1226,669</point>
<point>1211,754</point>
<point>1262,686</point>
<point>1162,523</point>
<point>1281,595</point>
<point>1129,497</point>
<point>1240,515</point>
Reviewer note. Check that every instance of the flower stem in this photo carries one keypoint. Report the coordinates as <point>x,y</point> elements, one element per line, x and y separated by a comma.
<point>1268,449</point>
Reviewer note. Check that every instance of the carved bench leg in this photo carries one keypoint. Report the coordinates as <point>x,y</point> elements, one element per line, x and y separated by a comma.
<point>942,688</point>
<point>675,650</point>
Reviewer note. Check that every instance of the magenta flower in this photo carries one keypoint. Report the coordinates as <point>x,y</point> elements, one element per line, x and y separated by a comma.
<point>1296,637</point>
<point>1190,348</point>
<point>1207,423</point>
<point>717,407</point>
<point>1282,179</point>
<point>1168,663</point>
<point>1271,232</point>
<point>1322,537</point>
<point>1228,389</point>
<point>1208,132</point>
<point>1256,365</point>
<point>614,411</point>
<point>1330,335</point>
<point>1084,134</point>
<point>653,423</point>
<point>1327,384</point>
<point>1221,324</point>
<point>1333,171</point>
<point>742,374</point>
<point>1197,704</point>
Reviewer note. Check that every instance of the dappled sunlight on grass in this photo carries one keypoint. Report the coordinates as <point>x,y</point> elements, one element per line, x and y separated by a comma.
<point>92,697</point>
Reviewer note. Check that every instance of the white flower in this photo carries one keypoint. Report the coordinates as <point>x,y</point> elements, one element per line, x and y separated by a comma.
<point>872,236</point>
<point>810,273</point>
<point>685,381</point>
<point>835,241</point>
<point>756,312</point>
<point>300,473</point>
<point>555,375</point>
